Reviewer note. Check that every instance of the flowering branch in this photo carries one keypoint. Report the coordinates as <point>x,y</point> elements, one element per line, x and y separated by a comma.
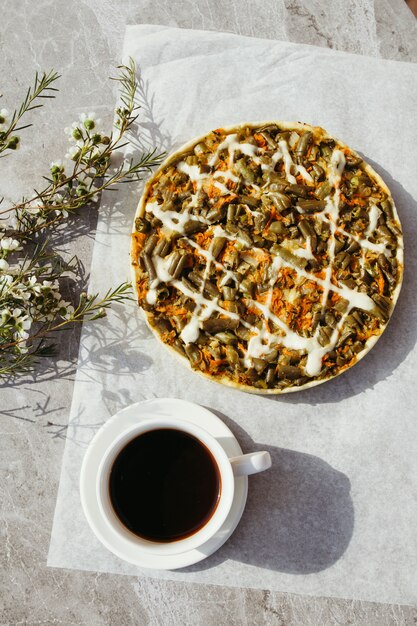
<point>32,306</point>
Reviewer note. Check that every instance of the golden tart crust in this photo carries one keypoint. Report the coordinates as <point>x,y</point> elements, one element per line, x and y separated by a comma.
<point>268,255</point>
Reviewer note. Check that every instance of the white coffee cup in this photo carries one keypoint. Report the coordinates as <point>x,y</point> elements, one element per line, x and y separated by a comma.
<point>228,468</point>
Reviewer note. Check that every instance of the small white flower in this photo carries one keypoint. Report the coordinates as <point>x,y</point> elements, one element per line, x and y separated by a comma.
<point>9,244</point>
<point>62,304</point>
<point>23,294</point>
<point>73,153</point>
<point>68,130</point>
<point>62,212</point>
<point>27,322</point>
<point>5,315</point>
<point>22,325</point>
<point>16,313</point>
<point>6,279</point>
<point>57,168</point>
<point>4,266</point>
<point>90,121</point>
<point>35,208</point>
<point>21,334</point>
<point>74,133</point>
<point>69,312</point>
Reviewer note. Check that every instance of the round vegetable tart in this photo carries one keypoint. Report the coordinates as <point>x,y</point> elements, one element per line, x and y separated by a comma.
<point>269,255</point>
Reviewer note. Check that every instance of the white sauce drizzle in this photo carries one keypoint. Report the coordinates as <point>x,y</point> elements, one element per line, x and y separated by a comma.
<point>191,331</point>
<point>374,213</point>
<point>152,295</point>
<point>291,167</point>
<point>162,276</point>
<point>172,220</point>
<point>225,191</point>
<point>233,145</point>
<point>368,245</point>
<point>337,163</point>
<point>355,298</point>
<point>227,175</point>
<point>277,156</point>
<point>288,162</point>
<point>270,167</point>
<point>192,171</point>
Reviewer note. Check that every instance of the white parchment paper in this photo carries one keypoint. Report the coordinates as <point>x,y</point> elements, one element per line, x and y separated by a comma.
<point>336,514</point>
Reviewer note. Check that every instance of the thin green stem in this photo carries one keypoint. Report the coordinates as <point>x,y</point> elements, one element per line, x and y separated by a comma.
<point>41,89</point>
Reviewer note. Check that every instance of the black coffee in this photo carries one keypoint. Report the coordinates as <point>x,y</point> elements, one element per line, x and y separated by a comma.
<point>165,485</point>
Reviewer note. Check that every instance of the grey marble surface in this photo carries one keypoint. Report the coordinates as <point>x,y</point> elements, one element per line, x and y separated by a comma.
<point>83,40</point>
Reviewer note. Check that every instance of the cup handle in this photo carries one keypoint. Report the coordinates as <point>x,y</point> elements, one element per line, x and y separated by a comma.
<point>251,463</point>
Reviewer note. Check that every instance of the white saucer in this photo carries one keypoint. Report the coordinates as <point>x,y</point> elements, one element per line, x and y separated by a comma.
<point>159,407</point>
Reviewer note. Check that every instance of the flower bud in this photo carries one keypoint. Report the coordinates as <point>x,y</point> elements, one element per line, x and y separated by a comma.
<point>13,143</point>
<point>76,133</point>
<point>96,138</point>
<point>89,124</point>
<point>105,140</point>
